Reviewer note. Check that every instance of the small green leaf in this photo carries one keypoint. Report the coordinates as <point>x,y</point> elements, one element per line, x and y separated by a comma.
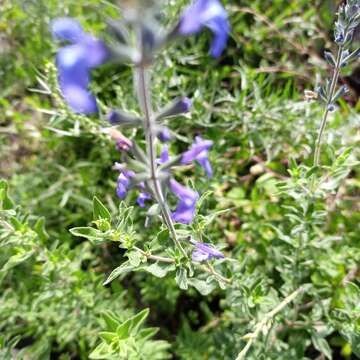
<point>17,259</point>
<point>5,201</point>
<point>137,320</point>
<point>181,278</point>
<point>40,229</point>
<point>123,330</point>
<point>124,268</point>
<point>111,321</point>
<point>134,258</point>
<point>100,352</point>
<point>88,233</point>
<point>107,336</point>
<point>321,345</point>
<point>16,223</point>
<point>145,334</point>
<point>158,270</point>
<point>100,211</point>
<point>312,171</point>
<point>203,287</point>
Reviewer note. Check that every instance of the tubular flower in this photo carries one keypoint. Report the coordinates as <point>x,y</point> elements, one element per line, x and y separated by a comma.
<point>143,196</point>
<point>185,210</point>
<point>164,134</point>
<point>164,156</point>
<point>74,63</point>
<point>123,183</point>
<point>209,13</point>
<point>199,151</point>
<point>204,252</point>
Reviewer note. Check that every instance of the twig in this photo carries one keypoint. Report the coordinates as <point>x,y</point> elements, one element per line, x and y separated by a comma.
<point>266,318</point>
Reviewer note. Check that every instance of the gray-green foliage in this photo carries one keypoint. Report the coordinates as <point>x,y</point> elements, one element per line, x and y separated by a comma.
<point>128,340</point>
<point>281,228</point>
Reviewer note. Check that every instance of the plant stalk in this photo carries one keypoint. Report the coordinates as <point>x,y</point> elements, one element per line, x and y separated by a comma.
<point>266,318</point>
<point>334,81</point>
<point>145,101</point>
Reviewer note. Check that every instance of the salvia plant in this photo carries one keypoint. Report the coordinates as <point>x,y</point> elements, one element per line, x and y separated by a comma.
<point>148,169</point>
<point>285,286</point>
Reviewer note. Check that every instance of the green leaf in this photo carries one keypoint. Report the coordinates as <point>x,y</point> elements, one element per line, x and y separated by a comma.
<point>88,233</point>
<point>312,171</point>
<point>124,268</point>
<point>202,286</point>
<point>181,278</point>
<point>134,258</point>
<point>321,345</point>
<point>111,321</point>
<point>40,229</point>
<point>102,351</point>
<point>137,320</point>
<point>16,223</point>
<point>145,334</point>
<point>17,259</point>
<point>5,201</point>
<point>100,211</point>
<point>107,336</point>
<point>158,270</point>
<point>123,330</point>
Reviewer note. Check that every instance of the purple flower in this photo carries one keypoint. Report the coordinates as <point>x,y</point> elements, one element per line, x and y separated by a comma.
<point>74,63</point>
<point>143,196</point>
<point>209,13</point>
<point>123,183</point>
<point>164,156</point>
<point>199,152</point>
<point>164,134</point>
<point>185,209</point>
<point>204,252</point>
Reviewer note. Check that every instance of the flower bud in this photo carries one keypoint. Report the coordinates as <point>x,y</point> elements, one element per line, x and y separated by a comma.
<point>178,106</point>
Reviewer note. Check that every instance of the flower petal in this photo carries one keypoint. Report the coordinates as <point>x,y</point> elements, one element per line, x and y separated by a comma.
<point>203,248</point>
<point>143,196</point>
<point>95,49</point>
<point>209,13</point>
<point>185,209</point>
<point>198,255</point>
<point>67,29</point>
<point>74,63</point>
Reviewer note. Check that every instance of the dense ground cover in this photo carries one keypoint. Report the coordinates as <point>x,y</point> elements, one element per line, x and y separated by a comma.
<point>280,239</point>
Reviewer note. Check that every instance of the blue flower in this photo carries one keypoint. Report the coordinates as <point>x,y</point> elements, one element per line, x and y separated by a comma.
<point>164,156</point>
<point>204,252</point>
<point>164,134</point>
<point>143,196</point>
<point>185,209</point>
<point>123,183</point>
<point>74,63</point>
<point>199,152</point>
<point>209,13</point>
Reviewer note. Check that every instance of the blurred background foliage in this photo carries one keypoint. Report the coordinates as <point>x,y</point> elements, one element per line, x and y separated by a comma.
<point>251,104</point>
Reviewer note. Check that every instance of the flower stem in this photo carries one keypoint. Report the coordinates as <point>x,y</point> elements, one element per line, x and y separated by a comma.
<point>145,101</point>
<point>208,268</point>
<point>333,84</point>
<point>266,318</point>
